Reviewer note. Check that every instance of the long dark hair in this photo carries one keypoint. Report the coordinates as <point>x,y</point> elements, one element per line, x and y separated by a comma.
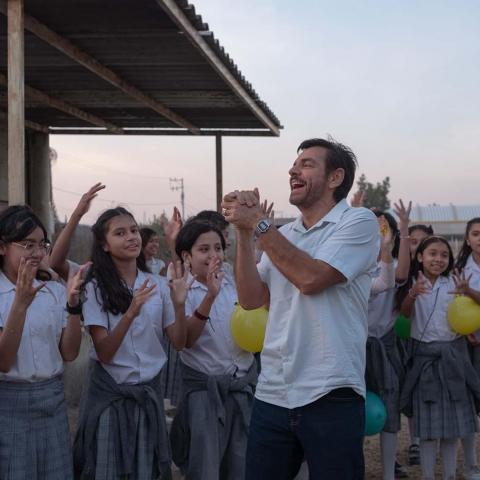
<point>189,234</point>
<point>466,249</point>
<point>17,223</point>
<point>115,294</point>
<point>416,266</point>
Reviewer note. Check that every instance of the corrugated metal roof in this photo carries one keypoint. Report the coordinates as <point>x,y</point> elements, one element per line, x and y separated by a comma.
<point>145,46</point>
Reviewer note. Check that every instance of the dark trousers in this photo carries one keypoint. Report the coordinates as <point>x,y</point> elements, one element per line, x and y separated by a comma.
<point>328,433</point>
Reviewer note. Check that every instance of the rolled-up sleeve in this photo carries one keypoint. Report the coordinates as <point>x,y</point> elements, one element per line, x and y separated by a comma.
<point>353,247</point>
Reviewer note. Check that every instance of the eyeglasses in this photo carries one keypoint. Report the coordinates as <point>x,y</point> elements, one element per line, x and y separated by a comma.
<point>30,247</point>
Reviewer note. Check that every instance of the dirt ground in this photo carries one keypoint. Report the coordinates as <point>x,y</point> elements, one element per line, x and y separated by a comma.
<point>372,456</point>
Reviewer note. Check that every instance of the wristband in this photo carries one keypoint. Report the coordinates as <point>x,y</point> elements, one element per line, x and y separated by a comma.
<point>404,237</point>
<point>76,310</point>
<point>200,316</point>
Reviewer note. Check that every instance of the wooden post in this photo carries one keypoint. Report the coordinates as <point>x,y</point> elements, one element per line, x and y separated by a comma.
<point>16,104</point>
<point>218,171</point>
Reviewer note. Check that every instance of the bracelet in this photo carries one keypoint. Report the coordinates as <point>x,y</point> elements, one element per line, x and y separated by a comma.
<point>76,310</point>
<point>404,237</point>
<point>200,316</point>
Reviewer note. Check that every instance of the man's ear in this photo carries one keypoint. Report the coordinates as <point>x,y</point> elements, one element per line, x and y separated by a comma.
<point>335,178</point>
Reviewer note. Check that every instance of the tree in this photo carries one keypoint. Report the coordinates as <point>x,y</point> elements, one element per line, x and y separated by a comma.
<point>376,196</point>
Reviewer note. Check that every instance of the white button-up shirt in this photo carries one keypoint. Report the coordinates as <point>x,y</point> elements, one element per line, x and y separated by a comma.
<point>472,268</point>
<point>316,343</point>
<point>429,315</point>
<point>38,357</point>
<point>215,352</point>
<point>140,356</point>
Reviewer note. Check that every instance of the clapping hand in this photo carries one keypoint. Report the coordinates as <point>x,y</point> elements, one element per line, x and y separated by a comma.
<point>179,282</point>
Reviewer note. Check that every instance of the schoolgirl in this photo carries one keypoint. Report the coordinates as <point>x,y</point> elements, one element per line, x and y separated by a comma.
<point>468,283</point>
<point>209,432</point>
<point>150,249</point>
<point>441,385</point>
<point>416,233</point>
<point>385,370</point>
<point>39,329</point>
<point>122,432</point>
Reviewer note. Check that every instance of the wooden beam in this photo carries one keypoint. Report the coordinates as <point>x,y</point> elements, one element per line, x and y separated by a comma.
<point>28,124</point>
<point>16,104</point>
<point>178,16</point>
<point>161,131</point>
<point>45,99</point>
<point>78,55</point>
<point>219,171</point>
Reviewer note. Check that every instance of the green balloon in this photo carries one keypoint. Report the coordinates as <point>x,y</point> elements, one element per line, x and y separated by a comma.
<point>402,326</point>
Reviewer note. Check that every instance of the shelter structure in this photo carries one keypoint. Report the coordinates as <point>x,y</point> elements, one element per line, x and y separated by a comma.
<point>112,67</point>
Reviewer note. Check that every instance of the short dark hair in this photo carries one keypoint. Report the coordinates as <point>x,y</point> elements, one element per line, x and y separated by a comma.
<point>189,234</point>
<point>338,156</point>
<point>211,217</point>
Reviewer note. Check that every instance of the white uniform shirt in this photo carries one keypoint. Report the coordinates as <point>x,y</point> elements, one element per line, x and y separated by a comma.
<point>140,356</point>
<point>155,265</point>
<point>429,315</point>
<point>215,352</point>
<point>38,356</point>
<point>316,343</point>
<point>472,268</point>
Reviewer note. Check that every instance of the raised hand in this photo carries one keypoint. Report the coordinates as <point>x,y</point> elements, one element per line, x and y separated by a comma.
<point>462,284</point>
<point>173,226</point>
<point>358,199</point>
<point>215,277</point>
<point>386,233</point>
<point>140,296</point>
<point>267,210</point>
<point>403,215</point>
<point>243,209</point>
<point>179,282</point>
<point>84,204</point>
<point>24,290</point>
<point>75,285</point>
<point>421,286</point>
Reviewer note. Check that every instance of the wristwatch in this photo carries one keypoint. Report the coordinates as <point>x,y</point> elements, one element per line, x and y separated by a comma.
<point>263,226</point>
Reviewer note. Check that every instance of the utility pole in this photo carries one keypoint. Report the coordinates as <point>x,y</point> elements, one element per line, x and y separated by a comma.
<point>177,184</point>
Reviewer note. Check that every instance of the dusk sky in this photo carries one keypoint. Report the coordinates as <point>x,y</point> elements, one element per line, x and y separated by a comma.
<point>396,81</point>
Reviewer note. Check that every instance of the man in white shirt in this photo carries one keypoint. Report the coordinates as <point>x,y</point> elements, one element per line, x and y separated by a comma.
<point>316,275</point>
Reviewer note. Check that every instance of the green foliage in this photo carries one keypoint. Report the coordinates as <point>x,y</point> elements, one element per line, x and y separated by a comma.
<point>376,196</point>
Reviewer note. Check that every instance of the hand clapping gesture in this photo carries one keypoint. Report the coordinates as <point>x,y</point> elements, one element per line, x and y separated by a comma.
<point>403,215</point>
<point>421,286</point>
<point>179,282</point>
<point>75,284</point>
<point>140,296</point>
<point>24,290</point>
<point>86,200</point>
<point>173,226</point>
<point>214,277</point>
<point>462,284</point>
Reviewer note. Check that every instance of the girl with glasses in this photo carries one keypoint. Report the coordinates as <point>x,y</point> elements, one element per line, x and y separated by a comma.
<point>39,330</point>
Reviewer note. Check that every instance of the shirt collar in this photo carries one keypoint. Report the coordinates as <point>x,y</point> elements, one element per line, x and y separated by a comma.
<point>7,286</point>
<point>333,216</point>
<point>472,264</point>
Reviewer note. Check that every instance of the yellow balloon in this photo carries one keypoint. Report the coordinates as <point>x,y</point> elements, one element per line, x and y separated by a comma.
<point>248,328</point>
<point>464,315</point>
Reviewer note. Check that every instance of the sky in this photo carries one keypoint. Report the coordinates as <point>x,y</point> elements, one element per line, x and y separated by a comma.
<point>398,82</point>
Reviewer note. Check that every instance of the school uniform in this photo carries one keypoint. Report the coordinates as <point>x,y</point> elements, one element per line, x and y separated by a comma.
<point>122,429</point>
<point>385,371</point>
<point>34,436</point>
<point>441,385</point>
<point>209,432</point>
<point>473,269</point>
<point>155,265</point>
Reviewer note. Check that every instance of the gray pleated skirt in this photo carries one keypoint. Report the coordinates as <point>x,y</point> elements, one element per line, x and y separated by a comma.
<point>34,436</point>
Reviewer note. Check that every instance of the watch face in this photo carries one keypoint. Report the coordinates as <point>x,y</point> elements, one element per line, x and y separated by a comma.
<point>263,226</point>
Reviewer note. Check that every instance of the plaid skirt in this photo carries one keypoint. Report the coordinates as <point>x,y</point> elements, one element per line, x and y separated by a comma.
<point>384,376</point>
<point>34,436</point>
<point>440,409</point>
<point>106,466</point>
